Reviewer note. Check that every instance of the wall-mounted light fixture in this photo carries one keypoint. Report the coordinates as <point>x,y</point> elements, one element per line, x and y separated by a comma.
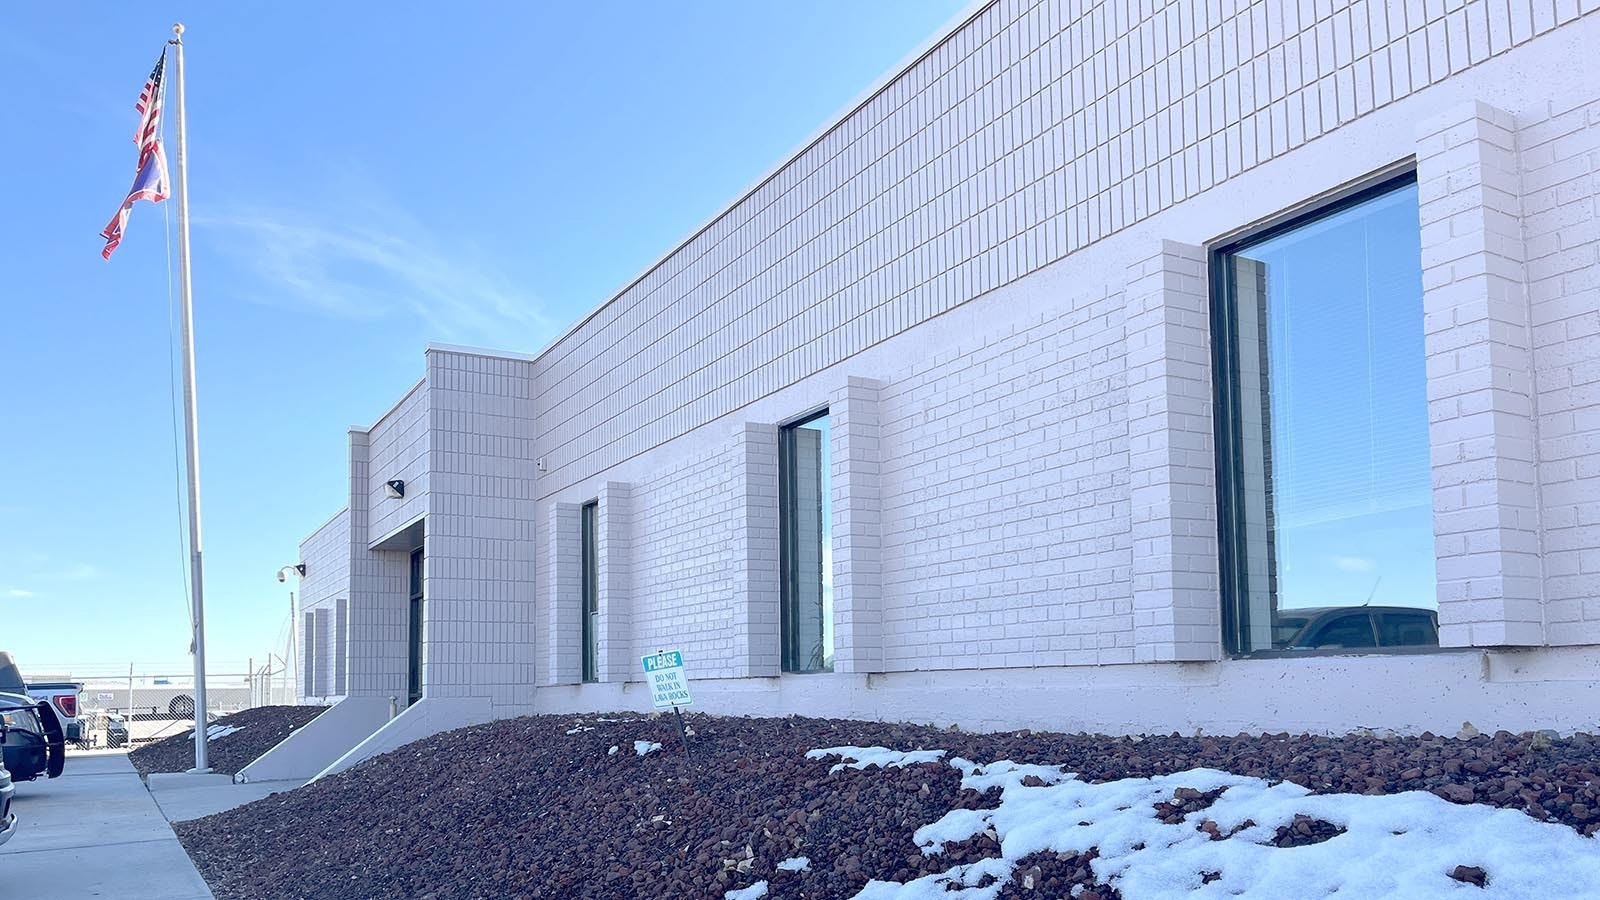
<point>395,489</point>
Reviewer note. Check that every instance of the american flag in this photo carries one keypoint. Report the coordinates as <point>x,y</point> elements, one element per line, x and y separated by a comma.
<point>150,180</point>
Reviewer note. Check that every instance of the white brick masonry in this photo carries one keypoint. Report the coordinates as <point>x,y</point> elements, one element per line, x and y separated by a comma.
<point>1480,381</point>
<point>680,522</point>
<point>1172,462</point>
<point>564,590</point>
<point>753,477</point>
<point>326,555</point>
<point>617,659</point>
<point>1559,158</point>
<point>992,273</point>
<point>857,524</point>
<point>481,574</point>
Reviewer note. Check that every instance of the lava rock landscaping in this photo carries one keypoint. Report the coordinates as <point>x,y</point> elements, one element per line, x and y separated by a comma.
<point>544,807</point>
<point>259,730</point>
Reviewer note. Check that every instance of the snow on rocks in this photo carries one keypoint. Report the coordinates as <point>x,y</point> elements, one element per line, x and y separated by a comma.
<point>530,811</point>
<point>882,757</point>
<point>239,738</point>
<point>612,751</point>
<point>580,729</point>
<point>643,747</point>
<point>753,892</point>
<point>795,864</point>
<point>1412,844</point>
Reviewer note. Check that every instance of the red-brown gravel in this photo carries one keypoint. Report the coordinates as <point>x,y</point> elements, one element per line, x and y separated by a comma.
<point>519,808</point>
<point>260,730</point>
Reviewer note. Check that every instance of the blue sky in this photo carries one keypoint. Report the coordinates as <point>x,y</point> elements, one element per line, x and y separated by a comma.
<point>364,179</point>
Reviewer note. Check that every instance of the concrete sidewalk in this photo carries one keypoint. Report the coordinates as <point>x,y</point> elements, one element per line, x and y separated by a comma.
<point>182,796</point>
<point>96,832</point>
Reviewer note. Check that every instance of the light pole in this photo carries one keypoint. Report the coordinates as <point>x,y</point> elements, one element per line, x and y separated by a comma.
<point>293,667</point>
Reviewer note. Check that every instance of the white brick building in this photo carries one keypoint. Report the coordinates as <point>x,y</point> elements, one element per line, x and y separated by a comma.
<point>1145,334</point>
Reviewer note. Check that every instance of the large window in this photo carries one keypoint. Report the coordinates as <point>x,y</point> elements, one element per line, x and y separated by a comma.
<point>591,591</point>
<point>805,534</point>
<point>1322,430</point>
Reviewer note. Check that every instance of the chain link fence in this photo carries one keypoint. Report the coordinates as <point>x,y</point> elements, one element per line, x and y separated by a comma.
<point>125,710</point>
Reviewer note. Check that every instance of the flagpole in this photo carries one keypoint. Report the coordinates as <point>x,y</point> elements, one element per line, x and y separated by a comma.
<point>190,421</point>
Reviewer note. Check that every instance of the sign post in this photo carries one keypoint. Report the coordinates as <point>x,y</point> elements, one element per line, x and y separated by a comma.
<point>668,687</point>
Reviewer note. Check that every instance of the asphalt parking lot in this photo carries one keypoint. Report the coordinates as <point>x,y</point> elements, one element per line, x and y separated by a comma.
<point>96,832</point>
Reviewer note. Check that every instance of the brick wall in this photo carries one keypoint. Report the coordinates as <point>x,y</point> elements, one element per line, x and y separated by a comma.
<point>1006,531</point>
<point>326,555</point>
<point>397,448</point>
<point>1038,129</point>
<point>481,571</point>
<point>685,573</point>
<point>1559,156</point>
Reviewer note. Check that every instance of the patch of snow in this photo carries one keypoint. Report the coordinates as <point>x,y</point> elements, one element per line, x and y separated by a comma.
<point>795,864</point>
<point>612,751</point>
<point>883,757</point>
<point>643,747</point>
<point>753,892</point>
<point>997,774</point>
<point>219,731</point>
<point>580,729</point>
<point>1400,845</point>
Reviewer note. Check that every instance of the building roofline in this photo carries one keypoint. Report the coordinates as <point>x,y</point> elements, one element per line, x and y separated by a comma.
<point>325,523</point>
<point>368,429</point>
<point>438,347</point>
<point>930,44</point>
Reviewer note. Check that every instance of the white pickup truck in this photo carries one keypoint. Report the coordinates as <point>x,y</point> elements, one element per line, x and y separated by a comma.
<point>63,696</point>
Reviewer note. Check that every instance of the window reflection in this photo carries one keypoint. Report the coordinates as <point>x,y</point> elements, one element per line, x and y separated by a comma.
<point>1324,424</point>
<point>806,532</point>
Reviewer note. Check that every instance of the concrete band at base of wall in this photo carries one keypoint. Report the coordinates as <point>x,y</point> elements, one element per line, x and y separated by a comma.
<point>1438,692</point>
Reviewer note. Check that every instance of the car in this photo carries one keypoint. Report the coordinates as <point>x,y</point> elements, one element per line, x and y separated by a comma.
<point>63,695</point>
<point>1355,627</point>
<point>8,819</point>
<point>32,743</point>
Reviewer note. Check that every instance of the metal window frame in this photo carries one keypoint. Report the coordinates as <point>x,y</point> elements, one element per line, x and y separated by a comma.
<point>1226,401</point>
<point>416,596</point>
<point>788,581</point>
<point>589,589</point>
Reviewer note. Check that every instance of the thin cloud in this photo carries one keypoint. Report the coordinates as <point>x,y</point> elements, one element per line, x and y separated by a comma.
<point>19,593</point>
<point>356,271</point>
<point>1355,563</point>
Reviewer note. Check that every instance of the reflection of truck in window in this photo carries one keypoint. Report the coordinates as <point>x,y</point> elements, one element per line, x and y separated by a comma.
<point>1353,628</point>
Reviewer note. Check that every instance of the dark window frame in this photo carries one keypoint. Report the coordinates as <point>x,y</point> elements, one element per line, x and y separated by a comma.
<point>589,589</point>
<point>787,576</point>
<point>416,575</point>
<point>1226,404</point>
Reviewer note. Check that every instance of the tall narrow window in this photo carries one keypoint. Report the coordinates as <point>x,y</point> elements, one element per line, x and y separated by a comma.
<point>414,630</point>
<point>1322,430</point>
<point>591,591</point>
<point>805,535</point>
